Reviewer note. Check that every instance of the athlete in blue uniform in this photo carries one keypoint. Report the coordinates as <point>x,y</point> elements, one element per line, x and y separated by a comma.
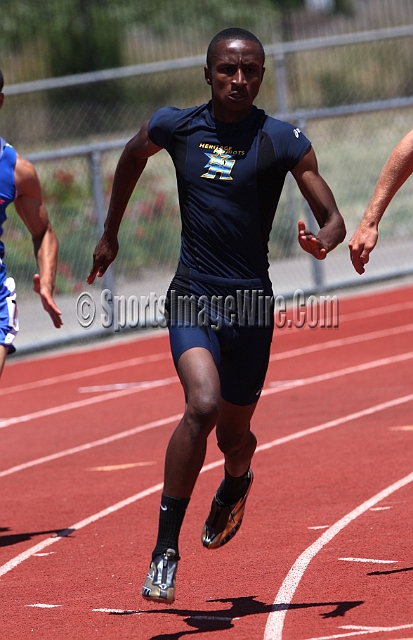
<point>19,184</point>
<point>231,160</point>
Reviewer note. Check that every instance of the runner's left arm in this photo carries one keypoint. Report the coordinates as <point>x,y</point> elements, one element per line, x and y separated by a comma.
<point>323,205</point>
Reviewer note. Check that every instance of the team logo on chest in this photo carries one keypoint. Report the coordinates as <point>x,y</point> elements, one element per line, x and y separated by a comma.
<point>220,165</point>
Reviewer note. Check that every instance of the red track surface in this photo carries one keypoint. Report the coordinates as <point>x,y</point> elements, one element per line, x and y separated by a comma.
<point>325,548</point>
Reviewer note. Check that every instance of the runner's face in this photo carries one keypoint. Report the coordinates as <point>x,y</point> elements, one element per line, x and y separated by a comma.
<point>235,77</point>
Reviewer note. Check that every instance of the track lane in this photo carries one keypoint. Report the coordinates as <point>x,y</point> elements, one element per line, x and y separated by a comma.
<point>200,614</point>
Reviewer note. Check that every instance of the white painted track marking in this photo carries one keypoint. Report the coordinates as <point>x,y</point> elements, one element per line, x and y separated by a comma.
<point>383,362</point>
<point>275,622</point>
<point>7,422</point>
<point>333,423</point>
<point>14,562</point>
<point>111,387</point>
<point>44,606</point>
<point>363,631</point>
<point>120,611</point>
<point>376,311</point>
<point>91,445</point>
<point>369,560</point>
<point>121,467</point>
<point>84,373</point>
<point>160,383</point>
<point>132,362</point>
<point>163,421</point>
<point>341,342</point>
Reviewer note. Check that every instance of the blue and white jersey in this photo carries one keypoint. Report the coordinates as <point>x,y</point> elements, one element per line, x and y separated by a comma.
<point>7,183</point>
<point>230,178</point>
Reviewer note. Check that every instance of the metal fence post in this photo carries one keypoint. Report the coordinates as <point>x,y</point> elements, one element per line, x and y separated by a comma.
<point>281,81</point>
<point>96,166</point>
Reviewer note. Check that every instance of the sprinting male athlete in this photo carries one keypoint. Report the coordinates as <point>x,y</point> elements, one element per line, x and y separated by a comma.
<point>20,184</point>
<point>231,160</point>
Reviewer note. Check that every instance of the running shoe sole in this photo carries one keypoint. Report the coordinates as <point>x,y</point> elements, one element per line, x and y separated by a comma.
<point>159,585</point>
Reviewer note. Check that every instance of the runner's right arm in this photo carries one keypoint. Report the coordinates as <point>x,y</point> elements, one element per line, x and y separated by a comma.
<point>128,171</point>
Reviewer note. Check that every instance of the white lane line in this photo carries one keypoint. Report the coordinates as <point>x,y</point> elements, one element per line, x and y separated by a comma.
<point>44,606</point>
<point>382,362</point>
<point>369,560</point>
<point>363,631</point>
<point>121,611</point>
<point>380,508</point>
<point>14,562</point>
<point>119,467</point>
<point>7,422</point>
<point>340,342</point>
<point>376,311</point>
<point>405,428</point>
<point>91,445</point>
<point>213,465</point>
<point>275,622</point>
<point>111,387</point>
<point>333,423</point>
<point>84,373</point>
<point>163,356</point>
<point>177,417</point>
<point>321,526</point>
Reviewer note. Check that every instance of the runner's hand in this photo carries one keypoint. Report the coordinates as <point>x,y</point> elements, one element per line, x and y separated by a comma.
<point>103,256</point>
<point>310,243</point>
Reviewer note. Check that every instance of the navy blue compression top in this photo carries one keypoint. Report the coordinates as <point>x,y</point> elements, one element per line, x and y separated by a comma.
<point>230,178</point>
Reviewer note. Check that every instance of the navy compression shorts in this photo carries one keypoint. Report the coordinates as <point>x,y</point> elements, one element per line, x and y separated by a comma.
<point>238,342</point>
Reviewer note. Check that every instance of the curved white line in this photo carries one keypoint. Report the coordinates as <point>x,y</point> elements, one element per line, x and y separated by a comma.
<point>275,622</point>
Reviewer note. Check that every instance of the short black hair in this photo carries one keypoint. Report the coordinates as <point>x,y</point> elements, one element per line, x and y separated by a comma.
<point>1,81</point>
<point>233,33</point>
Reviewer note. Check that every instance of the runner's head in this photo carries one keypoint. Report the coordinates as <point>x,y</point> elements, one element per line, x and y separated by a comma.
<point>229,35</point>
<point>234,71</point>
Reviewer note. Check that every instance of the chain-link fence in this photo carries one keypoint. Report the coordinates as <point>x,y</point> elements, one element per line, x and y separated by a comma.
<point>352,93</point>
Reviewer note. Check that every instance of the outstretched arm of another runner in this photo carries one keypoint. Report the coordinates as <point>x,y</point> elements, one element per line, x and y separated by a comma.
<point>128,171</point>
<point>395,172</point>
<point>323,205</point>
<point>31,209</point>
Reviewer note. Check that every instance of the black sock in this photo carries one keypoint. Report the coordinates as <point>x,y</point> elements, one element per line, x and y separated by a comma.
<point>171,516</point>
<point>232,489</point>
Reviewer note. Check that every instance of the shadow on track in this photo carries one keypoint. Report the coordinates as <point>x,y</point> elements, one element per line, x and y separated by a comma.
<point>387,573</point>
<point>222,619</point>
<point>15,538</point>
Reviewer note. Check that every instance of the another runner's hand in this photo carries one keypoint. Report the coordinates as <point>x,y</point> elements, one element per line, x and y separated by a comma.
<point>361,245</point>
<point>49,304</point>
<point>103,256</point>
<point>309,242</point>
